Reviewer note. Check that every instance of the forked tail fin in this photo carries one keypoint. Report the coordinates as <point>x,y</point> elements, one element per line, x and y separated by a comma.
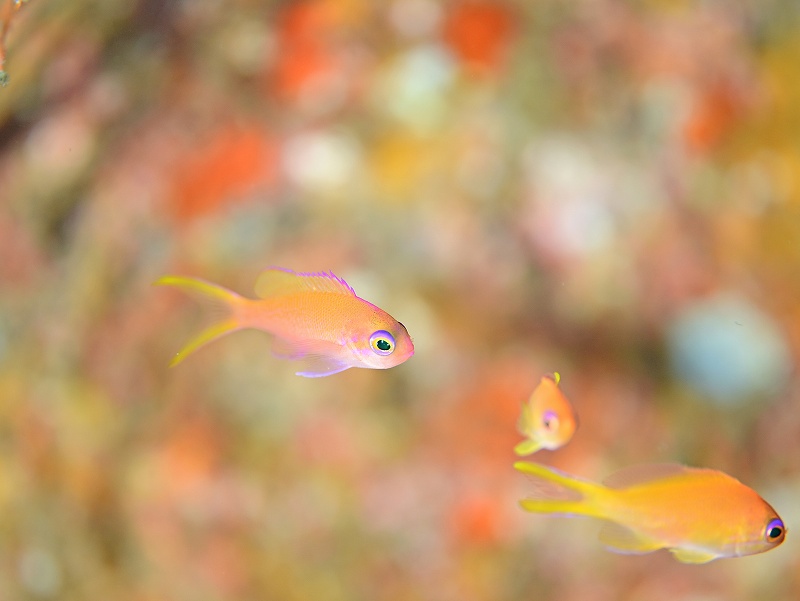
<point>223,301</point>
<point>558,493</point>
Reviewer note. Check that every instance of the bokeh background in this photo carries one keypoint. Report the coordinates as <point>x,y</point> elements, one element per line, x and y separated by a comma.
<point>606,189</point>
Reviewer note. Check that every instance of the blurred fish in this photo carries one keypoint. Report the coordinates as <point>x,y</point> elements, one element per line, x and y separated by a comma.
<point>698,514</point>
<point>314,317</point>
<point>547,419</point>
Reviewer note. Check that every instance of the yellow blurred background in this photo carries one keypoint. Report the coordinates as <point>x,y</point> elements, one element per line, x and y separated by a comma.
<point>606,189</point>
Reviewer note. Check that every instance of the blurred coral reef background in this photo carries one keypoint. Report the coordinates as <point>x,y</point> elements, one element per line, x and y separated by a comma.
<point>606,189</point>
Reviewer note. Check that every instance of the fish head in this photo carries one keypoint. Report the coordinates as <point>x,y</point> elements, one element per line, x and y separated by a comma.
<point>552,419</point>
<point>765,534</point>
<point>749,524</point>
<point>555,428</point>
<point>383,344</point>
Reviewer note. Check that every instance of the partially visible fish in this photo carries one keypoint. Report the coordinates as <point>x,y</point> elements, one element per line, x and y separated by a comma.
<point>548,420</point>
<point>698,514</point>
<point>314,317</point>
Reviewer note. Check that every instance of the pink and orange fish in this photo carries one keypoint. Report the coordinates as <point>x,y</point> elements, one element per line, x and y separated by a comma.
<point>314,317</point>
<point>698,514</point>
<point>548,420</point>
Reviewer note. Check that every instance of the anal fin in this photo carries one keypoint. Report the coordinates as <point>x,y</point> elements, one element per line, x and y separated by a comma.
<point>693,555</point>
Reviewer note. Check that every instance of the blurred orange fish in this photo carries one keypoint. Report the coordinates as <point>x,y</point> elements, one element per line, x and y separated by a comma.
<point>547,419</point>
<point>698,514</point>
<point>315,317</point>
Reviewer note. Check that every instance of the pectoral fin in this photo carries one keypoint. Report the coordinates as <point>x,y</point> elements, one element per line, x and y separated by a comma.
<point>525,421</point>
<point>317,366</point>
<point>621,539</point>
<point>317,358</point>
<point>289,349</point>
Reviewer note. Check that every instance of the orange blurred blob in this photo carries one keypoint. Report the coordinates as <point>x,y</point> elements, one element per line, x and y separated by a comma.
<point>479,34</point>
<point>37,443</point>
<point>234,162</point>
<point>301,68</point>
<point>476,518</point>
<point>190,456</point>
<point>308,62</point>
<point>220,562</point>
<point>715,114</point>
<point>487,406</point>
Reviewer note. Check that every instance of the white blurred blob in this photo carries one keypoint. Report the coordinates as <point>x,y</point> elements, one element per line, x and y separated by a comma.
<point>480,165</point>
<point>39,572</point>
<point>415,18</point>
<point>413,88</point>
<point>107,97</point>
<point>321,161</point>
<point>728,349</point>
<point>569,212</point>
<point>59,146</point>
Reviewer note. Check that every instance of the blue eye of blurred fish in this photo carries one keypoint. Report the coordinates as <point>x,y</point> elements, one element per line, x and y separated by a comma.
<point>775,530</point>
<point>550,420</point>
<point>382,342</point>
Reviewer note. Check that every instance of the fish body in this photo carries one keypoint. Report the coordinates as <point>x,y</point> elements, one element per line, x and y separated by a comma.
<point>314,317</point>
<point>698,514</point>
<point>547,420</point>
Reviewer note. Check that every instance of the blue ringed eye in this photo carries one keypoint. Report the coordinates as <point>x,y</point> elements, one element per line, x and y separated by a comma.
<point>382,342</point>
<point>550,420</point>
<point>775,530</point>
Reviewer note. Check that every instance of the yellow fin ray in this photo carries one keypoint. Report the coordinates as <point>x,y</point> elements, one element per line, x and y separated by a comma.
<point>212,332</point>
<point>204,291</point>
<point>221,300</point>
<point>558,493</point>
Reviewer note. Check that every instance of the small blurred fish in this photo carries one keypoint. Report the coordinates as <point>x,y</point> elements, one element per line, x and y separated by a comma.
<point>698,514</point>
<point>547,419</point>
<point>314,317</point>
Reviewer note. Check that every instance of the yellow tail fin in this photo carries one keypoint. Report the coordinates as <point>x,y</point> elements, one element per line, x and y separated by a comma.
<point>558,493</point>
<point>221,299</point>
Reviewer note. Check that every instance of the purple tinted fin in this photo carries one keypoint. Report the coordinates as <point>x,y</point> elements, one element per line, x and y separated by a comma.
<point>277,281</point>
<point>318,366</point>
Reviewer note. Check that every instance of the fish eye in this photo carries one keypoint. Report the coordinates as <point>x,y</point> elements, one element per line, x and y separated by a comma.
<point>775,530</point>
<point>382,342</point>
<point>550,420</point>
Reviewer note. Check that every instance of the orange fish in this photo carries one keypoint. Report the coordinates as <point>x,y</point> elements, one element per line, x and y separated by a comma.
<point>698,514</point>
<point>547,419</point>
<point>314,317</point>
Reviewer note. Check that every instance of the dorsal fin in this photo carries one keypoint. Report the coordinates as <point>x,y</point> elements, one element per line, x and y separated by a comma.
<point>277,281</point>
<point>644,472</point>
